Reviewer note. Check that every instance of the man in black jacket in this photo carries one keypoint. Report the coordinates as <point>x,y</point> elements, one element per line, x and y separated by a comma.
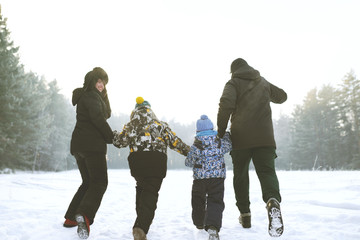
<point>246,99</point>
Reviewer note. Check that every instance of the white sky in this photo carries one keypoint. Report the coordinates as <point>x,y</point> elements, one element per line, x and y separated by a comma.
<point>177,54</point>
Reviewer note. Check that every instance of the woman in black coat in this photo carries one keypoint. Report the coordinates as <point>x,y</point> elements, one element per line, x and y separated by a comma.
<point>88,145</point>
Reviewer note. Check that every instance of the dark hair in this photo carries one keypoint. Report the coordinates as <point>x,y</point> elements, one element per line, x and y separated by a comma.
<point>92,77</point>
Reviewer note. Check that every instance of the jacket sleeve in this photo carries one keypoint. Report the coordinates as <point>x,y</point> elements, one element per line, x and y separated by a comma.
<point>107,103</point>
<point>97,117</point>
<point>175,143</point>
<point>226,107</point>
<point>120,139</point>
<point>191,157</point>
<point>277,95</point>
<point>226,144</point>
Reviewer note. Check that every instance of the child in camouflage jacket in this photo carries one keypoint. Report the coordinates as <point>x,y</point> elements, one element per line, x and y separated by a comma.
<point>148,139</point>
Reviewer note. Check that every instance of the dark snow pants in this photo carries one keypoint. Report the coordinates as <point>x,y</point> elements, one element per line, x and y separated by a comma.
<point>207,202</point>
<point>264,162</point>
<point>147,193</point>
<point>87,199</point>
<point>149,169</point>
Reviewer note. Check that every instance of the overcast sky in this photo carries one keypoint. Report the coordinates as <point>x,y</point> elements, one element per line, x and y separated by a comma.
<point>177,54</point>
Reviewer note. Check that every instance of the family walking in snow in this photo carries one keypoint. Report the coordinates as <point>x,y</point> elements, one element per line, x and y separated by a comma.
<point>245,101</point>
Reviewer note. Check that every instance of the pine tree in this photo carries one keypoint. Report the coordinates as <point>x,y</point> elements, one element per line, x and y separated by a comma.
<point>331,152</point>
<point>55,154</point>
<point>23,99</point>
<point>283,142</point>
<point>349,105</point>
<point>11,73</point>
<point>320,137</point>
<point>305,133</point>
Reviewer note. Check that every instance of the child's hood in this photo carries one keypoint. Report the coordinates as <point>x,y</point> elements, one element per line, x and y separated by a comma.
<point>143,113</point>
<point>207,137</point>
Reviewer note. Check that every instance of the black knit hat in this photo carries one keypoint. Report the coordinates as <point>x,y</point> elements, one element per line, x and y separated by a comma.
<point>236,64</point>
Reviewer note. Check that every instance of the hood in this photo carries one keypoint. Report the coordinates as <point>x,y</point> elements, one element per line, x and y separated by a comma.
<point>77,93</point>
<point>247,72</point>
<point>145,114</point>
<point>207,138</point>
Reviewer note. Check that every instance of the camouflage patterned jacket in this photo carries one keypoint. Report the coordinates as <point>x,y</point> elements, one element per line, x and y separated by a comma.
<point>206,155</point>
<point>145,132</point>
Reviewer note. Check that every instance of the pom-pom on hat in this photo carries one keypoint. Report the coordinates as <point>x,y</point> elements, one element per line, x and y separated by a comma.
<point>141,103</point>
<point>204,123</point>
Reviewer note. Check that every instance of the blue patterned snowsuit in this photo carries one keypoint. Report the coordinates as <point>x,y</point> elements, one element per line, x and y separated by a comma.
<point>209,162</point>
<point>206,157</point>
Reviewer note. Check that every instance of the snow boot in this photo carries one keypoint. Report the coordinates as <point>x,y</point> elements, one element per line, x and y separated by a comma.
<point>139,234</point>
<point>83,226</point>
<point>276,226</point>
<point>69,223</point>
<point>213,233</point>
<point>245,220</point>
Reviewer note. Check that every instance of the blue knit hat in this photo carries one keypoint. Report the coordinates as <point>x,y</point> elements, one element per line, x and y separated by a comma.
<point>204,123</point>
<point>141,103</point>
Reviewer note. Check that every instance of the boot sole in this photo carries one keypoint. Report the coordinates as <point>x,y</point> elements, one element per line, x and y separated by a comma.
<point>276,226</point>
<point>82,231</point>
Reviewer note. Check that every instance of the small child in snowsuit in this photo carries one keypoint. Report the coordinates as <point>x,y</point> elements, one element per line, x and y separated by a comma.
<point>148,139</point>
<point>206,157</point>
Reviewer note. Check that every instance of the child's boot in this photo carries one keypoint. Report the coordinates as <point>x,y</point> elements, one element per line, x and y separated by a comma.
<point>139,234</point>
<point>213,233</point>
<point>245,220</point>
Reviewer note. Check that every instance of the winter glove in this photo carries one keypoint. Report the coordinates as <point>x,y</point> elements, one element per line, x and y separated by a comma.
<point>187,150</point>
<point>115,133</point>
<point>198,144</point>
<point>221,133</point>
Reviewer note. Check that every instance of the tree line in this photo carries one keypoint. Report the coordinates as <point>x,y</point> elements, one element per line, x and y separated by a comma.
<point>35,119</point>
<point>323,132</point>
<point>36,123</point>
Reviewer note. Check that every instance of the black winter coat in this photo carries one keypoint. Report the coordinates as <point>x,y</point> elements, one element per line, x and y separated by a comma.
<point>246,98</point>
<point>92,132</point>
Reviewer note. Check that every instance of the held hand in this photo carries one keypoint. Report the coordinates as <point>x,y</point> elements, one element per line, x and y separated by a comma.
<point>115,133</point>
<point>221,134</point>
<point>187,150</point>
<point>198,144</point>
<point>218,140</point>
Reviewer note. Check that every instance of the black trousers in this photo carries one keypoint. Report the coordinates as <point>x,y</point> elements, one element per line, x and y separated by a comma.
<point>147,193</point>
<point>87,199</point>
<point>208,202</point>
<point>149,169</point>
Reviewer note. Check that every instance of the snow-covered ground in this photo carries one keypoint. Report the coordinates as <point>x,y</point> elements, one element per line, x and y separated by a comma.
<point>316,205</point>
